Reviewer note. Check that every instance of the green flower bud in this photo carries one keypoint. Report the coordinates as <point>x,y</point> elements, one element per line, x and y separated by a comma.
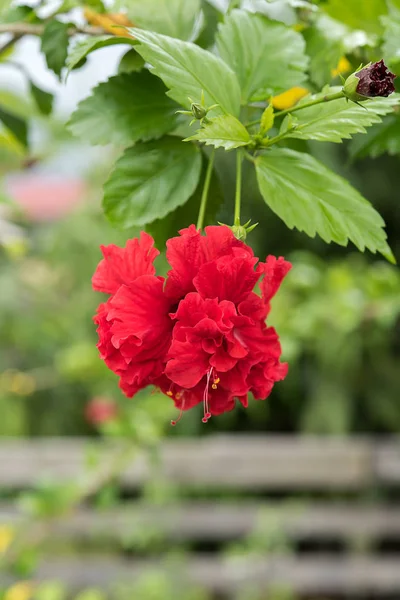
<point>198,111</point>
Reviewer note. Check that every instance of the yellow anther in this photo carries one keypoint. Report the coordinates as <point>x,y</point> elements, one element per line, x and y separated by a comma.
<point>214,386</point>
<point>169,393</point>
<point>217,380</point>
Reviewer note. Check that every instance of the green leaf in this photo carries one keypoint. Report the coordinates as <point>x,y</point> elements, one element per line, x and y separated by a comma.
<point>222,132</point>
<point>384,138</point>
<point>16,125</point>
<point>55,45</point>
<point>267,57</point>
<point>20,13</point>
<point>131,62</point>
<point>151,180</point>
<point>163,229</point>
<point>267,119</point>
<point>339,119</point>
<point>175,18</point>
<point>43,99</point>
<point>4,6</point>
<point>126,108</point>
<point>308,196</point>
<point>85,47</point>
<point>391,45</point>
<point>358,15</point>
<point>97,5</point>
<point>188,70</point>
<point>324,46</point>
<point>211,17</point>
<point>278,10</point>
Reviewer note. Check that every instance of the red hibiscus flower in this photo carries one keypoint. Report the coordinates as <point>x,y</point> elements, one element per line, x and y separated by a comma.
<point>200,336</point>
<point>134,327</point>
<point>221,347</point>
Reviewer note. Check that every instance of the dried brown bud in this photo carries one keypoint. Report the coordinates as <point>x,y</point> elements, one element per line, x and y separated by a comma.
<point>371,81</point>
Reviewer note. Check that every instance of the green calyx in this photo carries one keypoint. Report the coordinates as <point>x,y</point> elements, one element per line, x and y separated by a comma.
<point>350,86</point>
<point>241,231</point>
<point>198,110</point>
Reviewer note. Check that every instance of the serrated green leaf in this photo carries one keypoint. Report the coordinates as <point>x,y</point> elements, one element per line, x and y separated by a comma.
<point>381,139</point>
<point>267,119</point>
<point>126,108</point>
<point>267,56</point>
<point>55,45</point>
<point>175,18</point>
<point>15,124</point>
<point>358,14</point>
<point>338,119</point>
<point>85,47</point>
<point>222,132</point>
<point>43,99</point>
<point>188,70</point>
<point>165,228</point>
<point>308,196</point>
<point>131,62</point>
<point>151,180</point>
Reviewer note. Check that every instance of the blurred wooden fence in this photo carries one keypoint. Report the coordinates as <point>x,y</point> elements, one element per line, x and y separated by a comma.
<point>344,538</point>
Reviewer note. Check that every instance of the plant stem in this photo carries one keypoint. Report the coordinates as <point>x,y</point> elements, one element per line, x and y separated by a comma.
<point>204,196</point>
<point>276,139</point>
<point>21,29</point>
<point>11,42</point>
<point>326,98</point>
<point>239,159</point>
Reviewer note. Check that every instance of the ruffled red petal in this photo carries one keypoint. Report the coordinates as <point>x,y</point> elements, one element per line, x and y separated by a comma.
<point>121,266</point>
<point>275,270</point>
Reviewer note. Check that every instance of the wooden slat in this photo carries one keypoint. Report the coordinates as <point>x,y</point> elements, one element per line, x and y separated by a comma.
<point>387,462</point>
<point>317,575</point>
<point>256,462</point>
<point>220,522</point>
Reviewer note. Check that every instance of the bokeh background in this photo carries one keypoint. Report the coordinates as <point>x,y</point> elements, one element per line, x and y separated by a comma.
<point>338,315</point>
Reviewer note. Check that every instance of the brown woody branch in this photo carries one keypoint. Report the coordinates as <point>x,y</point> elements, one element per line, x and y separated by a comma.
<point>21,29</point>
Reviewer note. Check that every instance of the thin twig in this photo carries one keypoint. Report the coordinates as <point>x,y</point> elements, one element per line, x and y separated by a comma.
<point>10,42</point>
<point>38,29</point>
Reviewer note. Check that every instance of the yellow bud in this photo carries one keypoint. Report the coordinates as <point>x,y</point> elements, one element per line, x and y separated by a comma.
<point>20,591</point>
<point>343,66</point>
<point>289,98</point>
<point>109,21</point>
<point>22,384</point>
<point>6,537</point>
